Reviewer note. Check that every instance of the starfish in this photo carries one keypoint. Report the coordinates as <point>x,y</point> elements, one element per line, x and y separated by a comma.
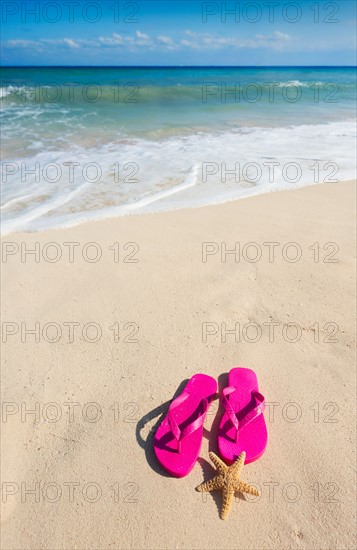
<point>227,479</point>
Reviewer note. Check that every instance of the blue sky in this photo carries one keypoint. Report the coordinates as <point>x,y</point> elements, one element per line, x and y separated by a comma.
<point>189,32</point>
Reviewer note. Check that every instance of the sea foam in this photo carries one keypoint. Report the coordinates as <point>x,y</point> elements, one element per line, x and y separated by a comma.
<point>135,176</point>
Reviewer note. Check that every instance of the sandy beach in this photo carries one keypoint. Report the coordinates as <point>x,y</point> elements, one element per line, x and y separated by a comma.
<point>122,312</point>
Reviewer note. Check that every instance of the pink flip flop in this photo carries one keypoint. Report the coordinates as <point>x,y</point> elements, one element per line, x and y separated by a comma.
<point>243,426</point>
<point>178,439</point>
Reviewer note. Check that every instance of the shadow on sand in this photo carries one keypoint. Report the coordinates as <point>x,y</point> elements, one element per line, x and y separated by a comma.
<point>160,412</point>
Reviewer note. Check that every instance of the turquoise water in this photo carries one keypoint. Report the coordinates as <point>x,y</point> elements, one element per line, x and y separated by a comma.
<point>151,130</point>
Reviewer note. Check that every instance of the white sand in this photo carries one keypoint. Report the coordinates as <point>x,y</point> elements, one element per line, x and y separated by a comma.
<point>170,293</point>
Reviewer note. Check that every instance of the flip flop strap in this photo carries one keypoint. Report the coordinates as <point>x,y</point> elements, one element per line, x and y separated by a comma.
<point>256,411</point>
<point>193,426</point>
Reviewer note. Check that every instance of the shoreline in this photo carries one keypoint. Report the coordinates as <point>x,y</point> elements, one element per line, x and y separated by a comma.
<point>100,219</point>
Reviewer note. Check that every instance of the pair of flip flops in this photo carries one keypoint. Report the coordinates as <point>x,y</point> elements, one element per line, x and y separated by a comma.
<point>178,439</point>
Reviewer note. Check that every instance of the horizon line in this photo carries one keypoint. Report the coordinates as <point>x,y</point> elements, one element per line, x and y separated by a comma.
<point>175,66</point>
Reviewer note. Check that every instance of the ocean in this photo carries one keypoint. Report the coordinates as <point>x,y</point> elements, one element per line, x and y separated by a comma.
<point>83,143</point>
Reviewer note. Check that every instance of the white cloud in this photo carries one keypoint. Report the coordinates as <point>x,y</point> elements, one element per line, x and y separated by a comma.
<point>277,41</point>
<point>166,43</point>
<point>281,35</point>
<point>71,43</point>
<point>139,39</point>
<point>142,35</point>
<point>45,42</point>
<point>165,40</point>
<point>187,43</point>
<point>19,43</point>
<point>114,40</point>
<point>142,39</point>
